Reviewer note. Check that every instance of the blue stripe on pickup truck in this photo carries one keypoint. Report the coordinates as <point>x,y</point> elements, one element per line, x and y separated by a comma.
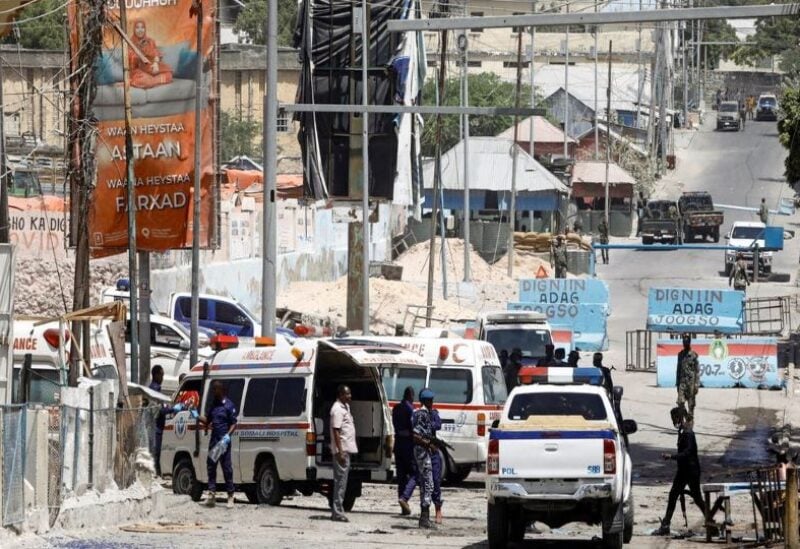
<point>521,435</point>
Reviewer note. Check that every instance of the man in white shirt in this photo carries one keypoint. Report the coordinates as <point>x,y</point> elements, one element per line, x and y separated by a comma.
<point>343,443</point>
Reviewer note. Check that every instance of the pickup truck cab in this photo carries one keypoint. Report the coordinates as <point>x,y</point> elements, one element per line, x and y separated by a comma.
<point>699,217</point>
<point>558,455</point>
<point>659,227</point>
<point>745,236</point>
<point>728,116</point>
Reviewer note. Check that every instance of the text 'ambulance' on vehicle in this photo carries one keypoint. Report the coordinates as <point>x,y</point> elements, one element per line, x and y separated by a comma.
<point>470,392</point>
<point>283,394</point>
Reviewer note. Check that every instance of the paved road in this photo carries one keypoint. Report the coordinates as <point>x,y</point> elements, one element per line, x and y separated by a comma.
<point>732,424</point>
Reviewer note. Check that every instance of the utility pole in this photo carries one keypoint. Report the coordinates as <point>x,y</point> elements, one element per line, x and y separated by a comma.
<point>531,137</point>
<point>437,174</point>
<point>5,236</point>
<point>132,267</point>
<point>364,163</point>
<point>512,211</point>
<point>684,61</point>
<point>596,130</point>
<point>269,220</point>
<point>463,45</point>
<point>566,91</point>
<point>194,325</point>
<point>608,131</point>
<point>639,79</point>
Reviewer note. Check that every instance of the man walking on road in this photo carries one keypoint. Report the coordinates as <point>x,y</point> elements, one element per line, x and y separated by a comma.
<point>688,472</point>
<point>688,378</point>
<point>763,212</point>
<point>222,419</point>
<point>343,444</point>
<point>404,449</point>
<point>602,228</point>
<point>422,422</point>
<point>739,276</point>
<point>675,216</point>
<point>641,205</point>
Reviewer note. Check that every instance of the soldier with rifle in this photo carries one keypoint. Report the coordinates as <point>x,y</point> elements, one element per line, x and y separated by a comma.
<point>425,422</point>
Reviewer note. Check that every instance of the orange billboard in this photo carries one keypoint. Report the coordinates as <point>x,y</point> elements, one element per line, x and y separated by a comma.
<point>163,57</point>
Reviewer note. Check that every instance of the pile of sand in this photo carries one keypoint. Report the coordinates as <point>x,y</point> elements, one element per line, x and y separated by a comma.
<point>387,302</point>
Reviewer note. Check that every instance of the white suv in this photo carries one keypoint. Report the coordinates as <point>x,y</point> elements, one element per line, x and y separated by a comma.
<point>746,235</point>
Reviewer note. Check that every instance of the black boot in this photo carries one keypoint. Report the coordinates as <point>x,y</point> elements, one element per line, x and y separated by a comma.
<point>425,519</point>
<point>663,530</point>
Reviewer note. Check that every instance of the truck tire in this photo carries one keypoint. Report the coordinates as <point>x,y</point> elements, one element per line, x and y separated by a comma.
<point>716,234</point>
<point>728,269</point>
<point>647,241</point>
<point>184,481</point>
<point>627,531</point>
<point>612,541</point>
<point>497,525</point>
<point>516,525</point>
<point>268,484</point>
<point>688,236</point>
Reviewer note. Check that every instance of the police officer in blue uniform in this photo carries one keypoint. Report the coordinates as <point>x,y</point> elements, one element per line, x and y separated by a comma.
<point>404,449</point>
<point>422,424</point>
<point>437,465</point>
<point>222,420</point>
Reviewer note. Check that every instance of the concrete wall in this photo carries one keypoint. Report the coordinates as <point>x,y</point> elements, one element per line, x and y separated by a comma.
<point>322,256</point>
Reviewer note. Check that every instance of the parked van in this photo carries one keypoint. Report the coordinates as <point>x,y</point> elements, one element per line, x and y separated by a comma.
<point>470,392</point>
<point>283,395</point>
<point>527,331</point>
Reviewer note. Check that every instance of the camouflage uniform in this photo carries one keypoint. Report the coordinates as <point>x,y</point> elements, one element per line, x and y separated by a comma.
<point>422,424</point>
<point>688,381</point>
<point>560,257</point>
<point>676,217</point>
<point>603,230</point>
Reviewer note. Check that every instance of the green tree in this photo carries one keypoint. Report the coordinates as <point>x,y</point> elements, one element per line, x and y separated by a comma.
<point>37,32</point>
<point>773,36</point>
<point>238,136</point>
<point>789,132</point>
<point>485,90</point>
<point>252,20</point>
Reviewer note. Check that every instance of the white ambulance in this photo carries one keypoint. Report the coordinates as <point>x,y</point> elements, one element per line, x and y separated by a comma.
<point>283,393</point>
<point>40,339</point>
<point>470,390</point>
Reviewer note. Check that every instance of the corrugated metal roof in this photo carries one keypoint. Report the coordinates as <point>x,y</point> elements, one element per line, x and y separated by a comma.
<point>624,91</point>
<point>594,171</point>
<point>490,163</point>
<point>544,131</point>
<point>616,136</point>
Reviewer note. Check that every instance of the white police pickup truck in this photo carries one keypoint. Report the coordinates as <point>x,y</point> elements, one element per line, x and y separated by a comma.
<point>558,455</point>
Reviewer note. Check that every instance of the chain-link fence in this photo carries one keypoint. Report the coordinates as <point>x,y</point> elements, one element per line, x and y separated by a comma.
<point>60,451</point>
<point>13,440</point>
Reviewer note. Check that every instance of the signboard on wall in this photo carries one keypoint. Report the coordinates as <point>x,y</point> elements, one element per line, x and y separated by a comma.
<point>695,310</point>
<point>588,322</point>
<point>746,362</point>
<point>163,58</point>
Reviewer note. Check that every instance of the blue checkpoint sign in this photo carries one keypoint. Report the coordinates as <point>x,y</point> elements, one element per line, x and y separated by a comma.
<point>588,321</point>
<point>773,239</point>
<point>695,310</point>
<point>552,291</point>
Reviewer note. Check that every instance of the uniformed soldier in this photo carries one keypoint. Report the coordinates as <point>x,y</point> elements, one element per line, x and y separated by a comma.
<point>739,276</point>
<point>641,204</point>
<point>560,257</point>
<point>437,468</point>
<point>763,212</point>
<point>688,377</point>
<point>688,472</point>
<point>602,228</point>
<point>422,424</point>
<point>675,216</point>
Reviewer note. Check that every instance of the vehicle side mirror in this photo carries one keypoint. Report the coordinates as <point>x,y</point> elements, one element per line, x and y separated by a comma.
<point>184,345</point>
<point>496,424</point>
<point>617,393</point>
<point>629,426</point>
<point>727,237</point>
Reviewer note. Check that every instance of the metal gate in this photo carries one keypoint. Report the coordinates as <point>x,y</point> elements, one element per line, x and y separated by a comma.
<point>767,316</point>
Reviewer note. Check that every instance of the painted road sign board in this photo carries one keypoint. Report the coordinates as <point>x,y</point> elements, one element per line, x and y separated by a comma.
<point>695,310</point>
<point>746,362</point>
<point>553,291</point>
<point>587,321</point>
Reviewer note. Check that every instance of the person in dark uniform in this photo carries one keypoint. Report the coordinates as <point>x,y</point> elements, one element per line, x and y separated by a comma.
<point>558,357</point>
<point>573,358</point>
<point>602,228</point>
<point>422,424</point>
<point>222,420</point>
<point>157,434</point>
<point>549,356</point>
<point>511,369</point>
<point>597,362</point>
<point>688,473</point>
<point>404,449</point>
<point>688,377</point>
<point>437,467</point>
